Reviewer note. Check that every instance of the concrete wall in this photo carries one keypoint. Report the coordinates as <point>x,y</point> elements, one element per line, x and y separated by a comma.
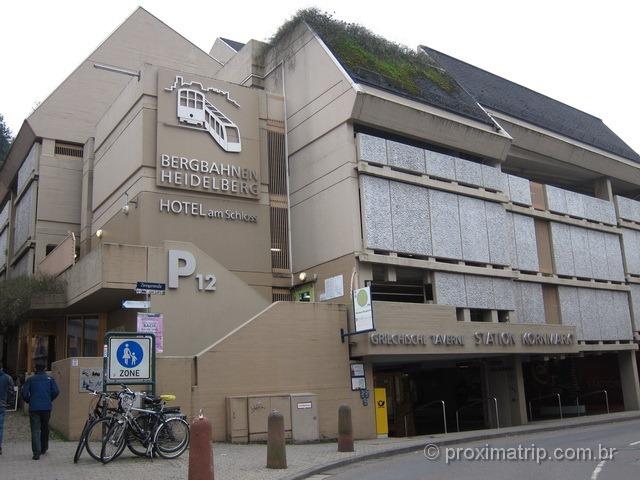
<point>71,408</point>
<point>325,222</point>
<point>288,348</point>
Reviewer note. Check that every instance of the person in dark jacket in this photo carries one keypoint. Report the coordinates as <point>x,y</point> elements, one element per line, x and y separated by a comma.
<point>39,391</point>
<point>6,385</point>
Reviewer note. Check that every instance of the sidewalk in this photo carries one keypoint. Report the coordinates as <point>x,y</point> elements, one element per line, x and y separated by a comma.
<point>235,462</point>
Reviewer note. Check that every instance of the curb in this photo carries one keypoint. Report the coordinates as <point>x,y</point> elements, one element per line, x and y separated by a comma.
<point>419,445</point>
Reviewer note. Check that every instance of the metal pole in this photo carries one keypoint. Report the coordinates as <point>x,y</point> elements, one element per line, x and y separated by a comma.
<point>457,421</point>
<point>406,430</point>
<point>530,412</point>
<point>559,405</point>
<point>495,402</point>
<point>444,416</point>
<point>577,406</point>
<point>606,399</point>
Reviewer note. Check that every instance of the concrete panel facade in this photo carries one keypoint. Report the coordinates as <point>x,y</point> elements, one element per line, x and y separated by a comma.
<point>376,210</point>
<point>628,209</point>
<point>445,225</point>
<point>411,219</point>
<point>473,230</point>
<point>525,243</point>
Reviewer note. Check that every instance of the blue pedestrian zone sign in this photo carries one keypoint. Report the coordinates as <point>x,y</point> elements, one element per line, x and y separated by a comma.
<point>129,359</point>
<point>129,354</point>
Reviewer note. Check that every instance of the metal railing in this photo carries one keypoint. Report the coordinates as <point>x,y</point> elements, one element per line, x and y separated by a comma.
<point>444,416</point>
<point>495,404</point>
<point>543,397</point>
<point>474,403</point>
<point>606,399</point>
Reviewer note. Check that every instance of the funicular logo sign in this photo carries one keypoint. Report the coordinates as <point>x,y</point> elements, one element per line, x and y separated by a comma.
<point>195,111</point>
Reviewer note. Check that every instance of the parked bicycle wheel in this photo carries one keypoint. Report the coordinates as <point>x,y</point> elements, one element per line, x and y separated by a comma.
<point>82,441</point>
<point>172,437</point>
<point>134,443</point>
<point>95,434</point>
<point>114,442</point>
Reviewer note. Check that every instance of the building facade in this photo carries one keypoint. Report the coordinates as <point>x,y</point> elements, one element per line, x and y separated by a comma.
<point>496,228</point>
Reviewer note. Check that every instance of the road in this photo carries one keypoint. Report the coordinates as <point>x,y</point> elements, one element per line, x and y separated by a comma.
<point>623,436</point>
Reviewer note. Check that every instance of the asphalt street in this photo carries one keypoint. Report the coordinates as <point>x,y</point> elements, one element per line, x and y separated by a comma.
<point>517,457</point>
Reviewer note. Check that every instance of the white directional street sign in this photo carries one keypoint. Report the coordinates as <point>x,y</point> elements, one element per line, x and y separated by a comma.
<point>129,359</point>
<point>150,288</point>
<point>140,304</point>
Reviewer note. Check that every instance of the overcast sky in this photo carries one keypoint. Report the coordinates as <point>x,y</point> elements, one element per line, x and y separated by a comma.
<point>583,53</point>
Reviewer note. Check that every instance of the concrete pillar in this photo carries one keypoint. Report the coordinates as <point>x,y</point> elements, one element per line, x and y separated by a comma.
<point>201,450</point>
<point>276,446</point>
<point>86,208</point>
<point>629,379</point>
<point>518,398</point>
<point>345,429</point>
<point>602,189</point>
<point>504,382</point>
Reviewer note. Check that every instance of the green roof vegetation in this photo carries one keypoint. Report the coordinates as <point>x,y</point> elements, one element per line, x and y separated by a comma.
<point>370,56</point>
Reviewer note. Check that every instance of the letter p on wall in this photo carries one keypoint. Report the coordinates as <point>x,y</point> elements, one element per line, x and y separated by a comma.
<point>181,264</point>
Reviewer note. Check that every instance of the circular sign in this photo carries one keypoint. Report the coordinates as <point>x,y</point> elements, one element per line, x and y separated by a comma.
<point>362,298</point>
<point>130,354</point>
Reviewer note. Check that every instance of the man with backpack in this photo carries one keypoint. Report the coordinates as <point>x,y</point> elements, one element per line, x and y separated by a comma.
<point>39,391</point>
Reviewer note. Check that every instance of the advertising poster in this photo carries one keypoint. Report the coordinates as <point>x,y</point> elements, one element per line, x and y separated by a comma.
<point>152,323</point>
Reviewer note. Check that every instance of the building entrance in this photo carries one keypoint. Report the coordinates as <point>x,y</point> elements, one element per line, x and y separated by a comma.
<point>572,386</point>
<point>415,393</point>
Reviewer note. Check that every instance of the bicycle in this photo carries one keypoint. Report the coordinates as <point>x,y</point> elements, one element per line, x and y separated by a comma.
<point>155,430</point>
<point>98,412</point>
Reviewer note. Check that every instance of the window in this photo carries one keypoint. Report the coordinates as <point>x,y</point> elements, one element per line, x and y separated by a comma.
<point>82,336</point>
<point>478,315</point>
<point>233,134</point>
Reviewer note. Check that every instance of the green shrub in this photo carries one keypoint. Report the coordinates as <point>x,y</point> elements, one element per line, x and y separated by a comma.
<point>16,295</point>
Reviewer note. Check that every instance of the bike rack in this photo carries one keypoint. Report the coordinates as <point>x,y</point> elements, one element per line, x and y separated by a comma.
<point>478,402</point>
<point>542,397</point>
<point>606,399</point>
<point>444,415</point>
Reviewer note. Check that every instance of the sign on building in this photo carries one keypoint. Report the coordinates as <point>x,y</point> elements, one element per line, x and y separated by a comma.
<point>362,310</point>
<point>358,380</point>
<point>90,379</point>
<point>130,359</point>
<point>150,288</point>
<point>152,323</point>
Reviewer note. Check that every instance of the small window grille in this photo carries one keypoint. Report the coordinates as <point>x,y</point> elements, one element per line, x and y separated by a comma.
<point>281,295</point>
<point>69,149</point>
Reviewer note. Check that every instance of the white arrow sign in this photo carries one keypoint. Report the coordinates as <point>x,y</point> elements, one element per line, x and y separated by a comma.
<point>135,304</point>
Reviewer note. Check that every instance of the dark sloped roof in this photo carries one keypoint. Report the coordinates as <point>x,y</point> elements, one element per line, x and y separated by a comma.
<point>233,44</point>
<point>502,95</point>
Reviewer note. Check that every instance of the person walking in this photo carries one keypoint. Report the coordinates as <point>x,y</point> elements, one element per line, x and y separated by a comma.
<point>6,386</point>
<point>39,391</point>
